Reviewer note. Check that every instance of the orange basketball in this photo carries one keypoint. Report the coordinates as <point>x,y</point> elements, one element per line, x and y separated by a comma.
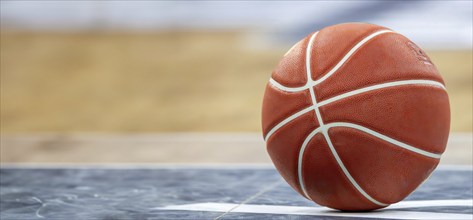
<point>355,117</point>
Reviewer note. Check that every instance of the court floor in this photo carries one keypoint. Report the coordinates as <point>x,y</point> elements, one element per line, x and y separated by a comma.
<point>212,191</point>
<point>166,148</point>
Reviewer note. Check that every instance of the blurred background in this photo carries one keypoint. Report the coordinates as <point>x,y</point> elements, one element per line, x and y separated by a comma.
<point>182,82</point>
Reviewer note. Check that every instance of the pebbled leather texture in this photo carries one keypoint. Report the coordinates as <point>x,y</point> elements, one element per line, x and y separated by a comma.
<point>417,114</point>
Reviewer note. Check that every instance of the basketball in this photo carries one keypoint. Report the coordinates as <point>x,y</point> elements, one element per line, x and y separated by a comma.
<point>355,117</point>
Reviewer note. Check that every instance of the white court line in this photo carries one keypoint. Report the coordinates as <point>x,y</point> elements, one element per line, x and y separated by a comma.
<point>432,203</point>
<point>386,213</point>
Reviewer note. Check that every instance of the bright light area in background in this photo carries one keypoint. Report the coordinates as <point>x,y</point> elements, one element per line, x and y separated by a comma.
<point>431,24</point>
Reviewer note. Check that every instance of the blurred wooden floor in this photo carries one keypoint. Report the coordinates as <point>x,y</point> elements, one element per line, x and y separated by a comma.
<point>66,84</point>
<point>166,148</point>
<point>158,82</point>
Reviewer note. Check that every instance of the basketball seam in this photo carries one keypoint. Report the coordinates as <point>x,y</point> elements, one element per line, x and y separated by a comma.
<point>349,94</point>
<point>349,53</point>
<point>337,158</point>
<point>319,116</point>
<point>324,128</point>
<point>309,79</point>
<point>385,138</point>
<point>347,173</point>
<point>310,82</point>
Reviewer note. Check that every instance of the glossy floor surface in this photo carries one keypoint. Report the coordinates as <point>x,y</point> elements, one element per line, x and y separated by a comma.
<point>202,192</point>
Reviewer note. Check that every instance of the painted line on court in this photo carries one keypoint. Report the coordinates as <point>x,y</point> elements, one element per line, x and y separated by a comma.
<point>386,213</point>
